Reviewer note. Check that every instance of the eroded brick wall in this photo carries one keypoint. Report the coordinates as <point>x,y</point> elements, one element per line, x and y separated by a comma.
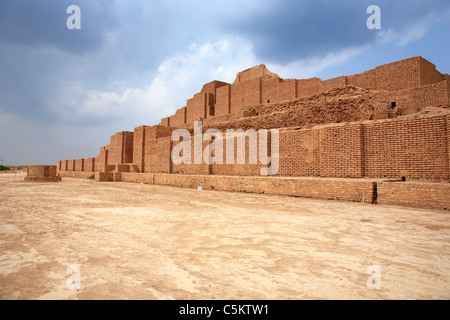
<point>428,73</point>
<point>299,153</point>
<point>308,87</point>
<point>259,86</point>
<point>89,164</point>
<point>414,194</point>
<point>79,165</point>
<point>414,148</point>
<point>42,174</point>
<point>341,151</point>
<point>179,119</point>
<point>102,159</point>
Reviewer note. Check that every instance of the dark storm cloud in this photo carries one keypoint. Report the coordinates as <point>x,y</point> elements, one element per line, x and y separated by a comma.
<point>284,31</point>
<point>43,23</point>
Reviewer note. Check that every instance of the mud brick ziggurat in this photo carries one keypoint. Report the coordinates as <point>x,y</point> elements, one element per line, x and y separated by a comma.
<point>349,138</point>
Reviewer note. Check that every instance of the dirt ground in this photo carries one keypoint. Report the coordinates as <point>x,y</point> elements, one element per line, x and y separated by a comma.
<point>133,241</point>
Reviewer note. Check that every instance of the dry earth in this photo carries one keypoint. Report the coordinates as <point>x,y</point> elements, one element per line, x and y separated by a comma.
<point>135,241</point>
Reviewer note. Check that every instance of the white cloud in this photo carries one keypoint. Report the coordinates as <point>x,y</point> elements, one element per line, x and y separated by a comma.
<point>412,32</point>
<point>304,69</point>
<point>178,78</point>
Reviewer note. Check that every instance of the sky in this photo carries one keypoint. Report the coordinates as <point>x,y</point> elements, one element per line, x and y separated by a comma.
<point>64,92</point>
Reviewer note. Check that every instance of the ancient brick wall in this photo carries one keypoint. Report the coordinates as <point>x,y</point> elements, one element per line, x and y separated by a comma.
<point>165,122</point>
<point>260,86</point>
<point>156,147</point>
<point>79,165</point>
<point>317,188</point>
<point>127,151</point>
<point>115,151</point>
<point>139,147</point>
<point>192,168</point>
<point>287,90</point>
<point>414,194</point>
<point>333,83</point>
<point>418,147</point>
<point>212,87</point>
<point>254,73</point>
<point>341,151</point>
<point>299,153</point>
<point>414,148</point>
<point>428,73</point>
<point>448,87</point>
<point>42,174</point>
<point>308,87</point>
<point>366,79</point>
<point>71,165</point>
<point>121,148</point>
<point>269,90</point>
<point>237,97</point>
<point>157,155</point>
<point>235,168</point>
<point>196,108</point>
<point>102,159</point>
<point>252,92</point>
<point>223,95</point>
<point>89,164</point>
<point>179,119</point>
<point>399,75</point>
<point>412,100</point>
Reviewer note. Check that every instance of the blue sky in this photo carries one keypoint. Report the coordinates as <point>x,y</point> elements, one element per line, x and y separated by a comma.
<point>64,92</point>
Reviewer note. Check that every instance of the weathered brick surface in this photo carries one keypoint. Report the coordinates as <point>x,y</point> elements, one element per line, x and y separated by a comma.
<point>318,188</point>
<point>223,96</point>
<point>237,97</point>
<point>252,92</point>
<point>139,147</point>
<point>414,194</point>
<point>287,90</point>
<point>410,101</point>
<point>259,86</point>
<point>196,108</point>
<point>366,79</point>
<point>102,159</point>
<point>79,165</point>
<point>334,83</point>
<point>382,128</point>
<point>121,148</point>
<point>269,89</point>
<point>428,73</point>
<point>341,151</point>
<point>78,175</point>
<point>179,119</point>
<point>71,165</point>
<point>89,164</point>
<point>308,87</point>
<point>399,75</point>
<point>415,148</point>
<point>299,153</point>
<point>42,174</point>
<point>192,168</point>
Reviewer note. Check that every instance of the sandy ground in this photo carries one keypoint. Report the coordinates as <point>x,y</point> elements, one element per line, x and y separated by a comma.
<point>133,241</point>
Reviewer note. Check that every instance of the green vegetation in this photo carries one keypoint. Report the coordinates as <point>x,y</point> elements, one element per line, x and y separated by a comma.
<point>3,168</point>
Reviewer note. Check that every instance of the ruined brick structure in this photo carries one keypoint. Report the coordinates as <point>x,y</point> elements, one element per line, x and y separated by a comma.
<point>42,174</point>
<point>386,123</point>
